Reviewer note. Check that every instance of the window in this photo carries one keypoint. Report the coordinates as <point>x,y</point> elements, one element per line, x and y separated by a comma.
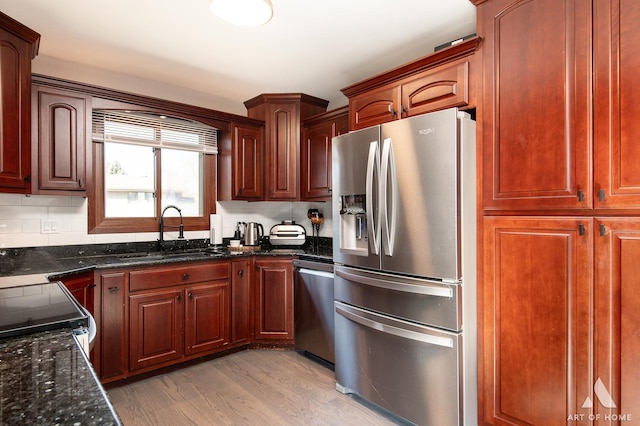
<point>145,162</point>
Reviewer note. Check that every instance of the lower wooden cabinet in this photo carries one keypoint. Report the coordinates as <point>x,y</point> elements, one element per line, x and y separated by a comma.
<point>560,310</point>
<point>154,317</point>
<point>81,287</point>
<point>273,295</point>
<point>241,307</point>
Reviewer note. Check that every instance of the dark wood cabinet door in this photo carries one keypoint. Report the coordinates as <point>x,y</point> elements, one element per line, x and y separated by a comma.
<point>111,342</point>
<point>241,308</point>
<point>18,46</point>
<point>62,123</point>
<point>82,288</point>
<point>247,163</point>
<point>617,317</point>
<point>616,108</point>
<point>274,300</point>
<point>376,106</point>
<point>207,317</point>
<point>156,327</point>
<point>283,151</point>
<point>536,108</point>
<point>536,313</point>
<point>442,87</point>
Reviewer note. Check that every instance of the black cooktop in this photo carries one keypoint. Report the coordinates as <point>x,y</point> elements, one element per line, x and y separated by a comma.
<point>39,307</point>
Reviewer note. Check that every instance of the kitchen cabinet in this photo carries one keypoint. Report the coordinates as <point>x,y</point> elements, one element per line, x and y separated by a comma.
<point>437,81</point>
<point>315,153</point>
<point>617,314</point>
<point>82,288</point>
<point>273,295</point>
<point>241,163</point>
<point>111,346</point>
<point>61,141</point>
<point>241,306</point>
<point>541,147</point>
<point>18,47</point>
<point>557,158</point>
<point>536,311</point>
<point>282,114</point>
<point>176,312</point>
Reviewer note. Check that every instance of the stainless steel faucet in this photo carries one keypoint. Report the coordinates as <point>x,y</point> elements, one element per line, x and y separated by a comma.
<point>162,225</point>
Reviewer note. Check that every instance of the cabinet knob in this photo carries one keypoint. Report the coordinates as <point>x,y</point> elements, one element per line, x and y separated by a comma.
<point>393,112</point>
<point>179,297</point>
<point>185,276</point>
<point>241,272</point>
<point>191,295</point>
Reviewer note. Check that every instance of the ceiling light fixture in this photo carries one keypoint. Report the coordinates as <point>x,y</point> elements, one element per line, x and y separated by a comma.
<point>243,12</point>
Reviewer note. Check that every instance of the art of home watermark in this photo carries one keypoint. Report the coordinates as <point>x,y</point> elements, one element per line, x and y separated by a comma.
<point>604,398</point>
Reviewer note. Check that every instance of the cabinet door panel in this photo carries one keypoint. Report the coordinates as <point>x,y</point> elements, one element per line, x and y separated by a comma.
<point>15,113</point>
<point>374,107</point>
<point>443,87</point>
<point>156,328</point>
<point>617,59</point>
<point>617,340</point>
<point>247,163</point>
<point>536,107</point>
<point>274,300</point>
<point>61,140</point>
<point>536,299</point>
<point>207,317</point>
<point>241,308</point>
<point>112,325</point>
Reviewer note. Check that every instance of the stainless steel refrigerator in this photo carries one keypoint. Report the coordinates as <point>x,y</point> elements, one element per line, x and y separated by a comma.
<point>405,254</point>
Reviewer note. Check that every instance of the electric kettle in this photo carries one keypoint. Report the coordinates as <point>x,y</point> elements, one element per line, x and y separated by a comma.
<point>252,234</point>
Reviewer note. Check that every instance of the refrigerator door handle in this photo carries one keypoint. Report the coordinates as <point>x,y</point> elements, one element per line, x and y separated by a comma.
<point>389,195</point>
<point>393,330</point>
<point>373,226</point>
<point>423,288</point>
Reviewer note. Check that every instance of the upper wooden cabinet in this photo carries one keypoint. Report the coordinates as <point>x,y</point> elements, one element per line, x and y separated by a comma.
<point>553,137</point>
<point>60,141</point>
<point>315,153</point>
<point>18,47</point>
<point>616,108</point>
<point>282,114</point>
<point>437,81</point>
<point>241,163</point>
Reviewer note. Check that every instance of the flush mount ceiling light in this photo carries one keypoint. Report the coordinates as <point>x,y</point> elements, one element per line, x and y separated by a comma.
<point>243,12</point>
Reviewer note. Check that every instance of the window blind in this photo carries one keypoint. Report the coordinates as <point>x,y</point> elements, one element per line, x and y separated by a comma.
<point>148,129</point>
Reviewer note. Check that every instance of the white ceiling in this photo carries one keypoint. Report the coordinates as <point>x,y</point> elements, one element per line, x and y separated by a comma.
<point>314,47</point>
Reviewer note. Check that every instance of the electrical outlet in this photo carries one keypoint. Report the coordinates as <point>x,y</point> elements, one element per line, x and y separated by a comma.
<point>49,226</point>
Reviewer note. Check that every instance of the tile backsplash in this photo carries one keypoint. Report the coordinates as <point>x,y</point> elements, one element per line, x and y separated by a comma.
<point>38,220</point>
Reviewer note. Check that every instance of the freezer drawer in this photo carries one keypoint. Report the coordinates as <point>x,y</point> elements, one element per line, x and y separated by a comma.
<point>425,301</point>
<point>407,369</point>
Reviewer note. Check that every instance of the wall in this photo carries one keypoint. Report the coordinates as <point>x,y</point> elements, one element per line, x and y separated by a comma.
<point>21,220</point>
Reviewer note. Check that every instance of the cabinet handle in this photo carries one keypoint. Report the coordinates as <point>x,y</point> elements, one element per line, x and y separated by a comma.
<point>91,286</point>
<point>580,196</point>
<point>114,289</point>
<point>601,194</point>
<point>179,297</point>
<point>191,295</point>
<point>241,272</point>
<point>581,229</point>
<point>402,109</point>
<point>80,182</point>
<point>393,112</point>
<point>603,230</point>
<point>185,276</point>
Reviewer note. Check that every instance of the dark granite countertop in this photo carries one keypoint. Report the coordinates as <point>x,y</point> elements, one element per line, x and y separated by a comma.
<point>45,379</point>
<point>59,261</point>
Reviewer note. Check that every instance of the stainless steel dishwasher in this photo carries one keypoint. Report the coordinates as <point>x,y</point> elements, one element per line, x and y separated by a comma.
<point>314,315</point>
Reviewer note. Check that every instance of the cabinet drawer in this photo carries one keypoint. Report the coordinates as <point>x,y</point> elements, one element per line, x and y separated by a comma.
<point>175,275</point>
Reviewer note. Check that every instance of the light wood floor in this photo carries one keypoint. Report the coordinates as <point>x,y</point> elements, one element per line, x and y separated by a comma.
<point>254,387</point>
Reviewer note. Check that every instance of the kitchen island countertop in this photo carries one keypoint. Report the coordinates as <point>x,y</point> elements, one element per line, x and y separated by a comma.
<point>46,379</point>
